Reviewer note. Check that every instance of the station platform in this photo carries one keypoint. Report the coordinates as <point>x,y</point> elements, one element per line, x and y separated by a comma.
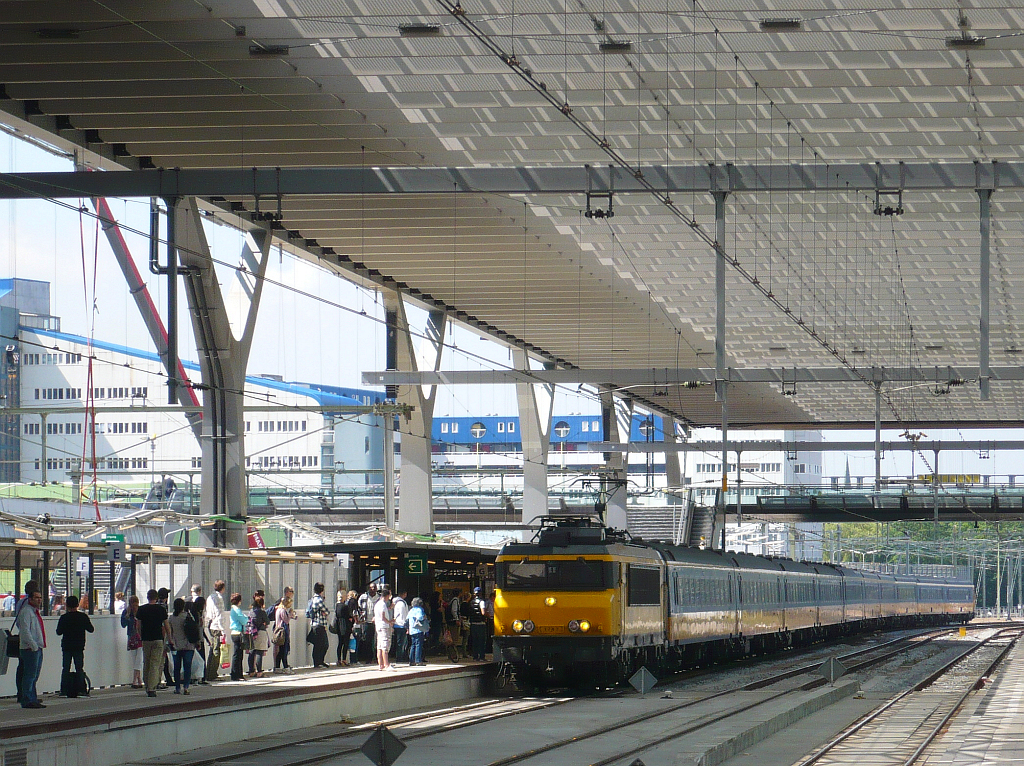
<point>122,725</point>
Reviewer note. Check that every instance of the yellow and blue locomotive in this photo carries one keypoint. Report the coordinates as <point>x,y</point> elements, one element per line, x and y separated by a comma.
<point>583,602</point>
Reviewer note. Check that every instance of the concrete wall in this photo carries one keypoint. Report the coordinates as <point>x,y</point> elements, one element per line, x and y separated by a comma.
<point>106,657</point>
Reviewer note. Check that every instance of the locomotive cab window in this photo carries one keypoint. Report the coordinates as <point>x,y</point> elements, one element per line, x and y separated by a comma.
<point>578,574</point>
<point>643,586</point>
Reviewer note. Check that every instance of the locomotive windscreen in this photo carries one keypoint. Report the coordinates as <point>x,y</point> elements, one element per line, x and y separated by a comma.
<point>565,574</point>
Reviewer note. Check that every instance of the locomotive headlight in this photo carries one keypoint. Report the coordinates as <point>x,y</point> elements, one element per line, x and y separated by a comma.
<point>574,626</point>
<point>528,626</point>
<point>550,601</point>
<point>584,626</point>
<point>517,626</point>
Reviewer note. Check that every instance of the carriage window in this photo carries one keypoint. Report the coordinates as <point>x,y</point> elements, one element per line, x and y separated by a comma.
<point>644,586</point>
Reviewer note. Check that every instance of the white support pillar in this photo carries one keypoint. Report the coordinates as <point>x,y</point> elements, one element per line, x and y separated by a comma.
<point>673,467</point>
<point>416,501</point>
<point>224,332</point>
<point>616,419</point>
<point>536,405</point>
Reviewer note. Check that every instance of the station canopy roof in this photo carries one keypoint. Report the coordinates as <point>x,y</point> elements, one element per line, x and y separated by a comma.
<point>792,95</point>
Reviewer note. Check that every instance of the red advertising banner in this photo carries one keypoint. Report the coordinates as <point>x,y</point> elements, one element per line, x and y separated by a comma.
<point>255,539</point>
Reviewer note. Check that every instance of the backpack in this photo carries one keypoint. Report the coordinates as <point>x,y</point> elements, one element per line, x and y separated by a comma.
<point>272,614</point>
<point>191,628</point>
<point>309,610</point>
<point>453,610</point>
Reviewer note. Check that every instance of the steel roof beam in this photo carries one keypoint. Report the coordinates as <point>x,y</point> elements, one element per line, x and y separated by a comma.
<point>715,447</point>
<point>692,378</point>
<point>268,182</point>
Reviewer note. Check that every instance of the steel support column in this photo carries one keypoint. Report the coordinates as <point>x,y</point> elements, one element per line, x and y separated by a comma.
<point>985,197</point>
<point>536,406</point>
<point>223,356</point>
<point>878,436</point>
<point>616,420</point>
<point>186,396</point>
<point>415,503</point>
<point>721,382</point>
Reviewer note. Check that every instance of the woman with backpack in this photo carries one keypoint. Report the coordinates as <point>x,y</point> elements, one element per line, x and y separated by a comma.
<point>184,637</point>
<point>257,629</point>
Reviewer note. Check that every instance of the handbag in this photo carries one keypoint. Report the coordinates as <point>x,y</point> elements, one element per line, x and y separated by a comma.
<point>353,645</point>
<point>279,636</point>
<point>333,628</point>
<point>134,641</point>
<point>13,648</point>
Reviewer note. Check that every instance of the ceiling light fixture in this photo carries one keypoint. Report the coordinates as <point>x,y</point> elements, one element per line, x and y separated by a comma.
<point>268,50</point>
<point>965,41</point>
<point>616,46</point>
<point>781,25</point>
<point>49,33</point>
<point>419,30</point>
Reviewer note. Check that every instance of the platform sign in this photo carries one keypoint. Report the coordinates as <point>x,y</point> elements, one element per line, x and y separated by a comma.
<point>643,681</point>
<point>832,669</point>
<point>383,747</point>
<point>415,564</point>
<point>115,547</point>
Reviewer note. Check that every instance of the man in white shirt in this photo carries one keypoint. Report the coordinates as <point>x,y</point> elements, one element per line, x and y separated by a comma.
<point>214,615</point>
<point>33,641</point>
<point>383,623</point>
<point>400,634</point>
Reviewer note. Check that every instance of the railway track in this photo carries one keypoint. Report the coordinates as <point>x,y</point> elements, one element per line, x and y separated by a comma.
<point>341,743</point>
<point>735,705</point>
<point>900,732</point>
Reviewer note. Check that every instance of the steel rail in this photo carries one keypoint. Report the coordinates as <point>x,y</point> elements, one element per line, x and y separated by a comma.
<point>355,729</point>
<point>875,714</point>
<point>934,733</point>
<point>704,722</point>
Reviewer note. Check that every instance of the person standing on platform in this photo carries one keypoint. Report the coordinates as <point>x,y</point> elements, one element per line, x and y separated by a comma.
<point>318,616</point>
<point>119,603</point>
<point>72,627</point>
<point>152,618</point>
<point>21,602</point>
<point>367,604</point>
<point>130,622</point>
<point>215,627</point>
<point>400,635</point>
<point>383,624</point>
<point>490,622</point>
<point>238,623</point>
<point>184,634</point>
<point>33,640</point>
<point>418,627</point>
<point>197,608</point>
<point>478,624</point>
<point>258,623</point>
<point>343,625</point>
<point>195,592</point>
<point>453,617</point>
<point>283,616</point>
<point>164,599</point>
